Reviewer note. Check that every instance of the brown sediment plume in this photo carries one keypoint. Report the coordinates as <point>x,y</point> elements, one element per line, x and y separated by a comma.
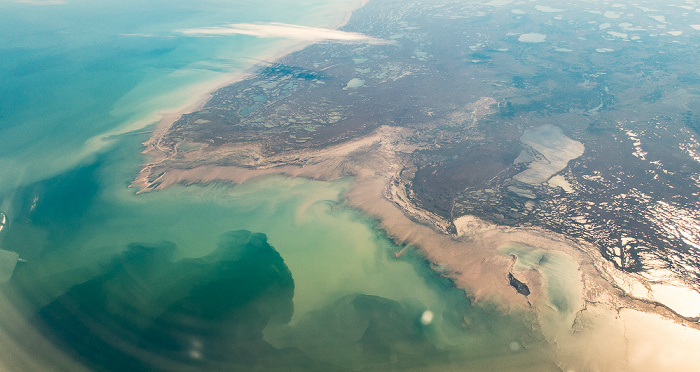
<point>24,348</point>
<point>154,150</point>
<point>603,331</point>
<point>471,257</point>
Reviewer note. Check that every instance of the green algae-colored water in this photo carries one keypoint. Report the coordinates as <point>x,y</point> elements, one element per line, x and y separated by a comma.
<point>325,290</point>
<point>277,273</point>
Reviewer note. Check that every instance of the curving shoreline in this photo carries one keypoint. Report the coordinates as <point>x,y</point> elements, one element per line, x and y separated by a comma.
<point>376,194</point>
<point>153,149</point>
<point>605,308</point>
<point>471,258</point>
<point>475,265</point>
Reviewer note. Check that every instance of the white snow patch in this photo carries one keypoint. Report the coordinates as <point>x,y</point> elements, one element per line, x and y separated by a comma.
<point>637,143</point>
<point>499,2</point>
<point>625,240</point>
<point>604,50</point>
<point>560,181</point>
<point>612,15</point>
<point>604,26</point>
<point>556,150</point>
<point>621,35</point>
<point>646,10</point>
<point>532,38</point>
<point>355,83</point>
<point>547,9</point>
<point>676,33</point>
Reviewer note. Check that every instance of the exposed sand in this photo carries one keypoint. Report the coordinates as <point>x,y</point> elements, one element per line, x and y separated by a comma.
<point>603,326</point>
<point>471,257</point>
<point>607,330</point>
<point>156,153</point>
<point>532,38</point>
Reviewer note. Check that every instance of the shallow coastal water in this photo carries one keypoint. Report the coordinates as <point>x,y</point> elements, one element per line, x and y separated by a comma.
<point>107,275</point>
<point>347,283</point>
<point>75,74</point>
<point>274,273</point>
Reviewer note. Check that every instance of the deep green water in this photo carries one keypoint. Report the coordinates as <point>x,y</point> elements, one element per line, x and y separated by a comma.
<point>103,260</point>
<point>274,273</point>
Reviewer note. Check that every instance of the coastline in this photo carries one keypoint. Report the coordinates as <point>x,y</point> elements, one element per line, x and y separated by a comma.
<point>402,220</point>
<point>474,245</point>
<point>470,258</point>
<point>154,154</point>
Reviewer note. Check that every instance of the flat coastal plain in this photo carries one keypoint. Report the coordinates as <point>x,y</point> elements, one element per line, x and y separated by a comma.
<point>488,151</point>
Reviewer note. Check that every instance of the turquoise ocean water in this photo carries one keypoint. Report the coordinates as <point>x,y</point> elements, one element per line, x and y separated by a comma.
<point>112,279</point>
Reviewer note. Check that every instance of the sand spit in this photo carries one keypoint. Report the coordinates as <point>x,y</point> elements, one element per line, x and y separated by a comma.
<point>154,150</point>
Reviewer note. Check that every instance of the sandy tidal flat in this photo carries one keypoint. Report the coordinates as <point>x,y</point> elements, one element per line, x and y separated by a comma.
<point>589,323</point>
